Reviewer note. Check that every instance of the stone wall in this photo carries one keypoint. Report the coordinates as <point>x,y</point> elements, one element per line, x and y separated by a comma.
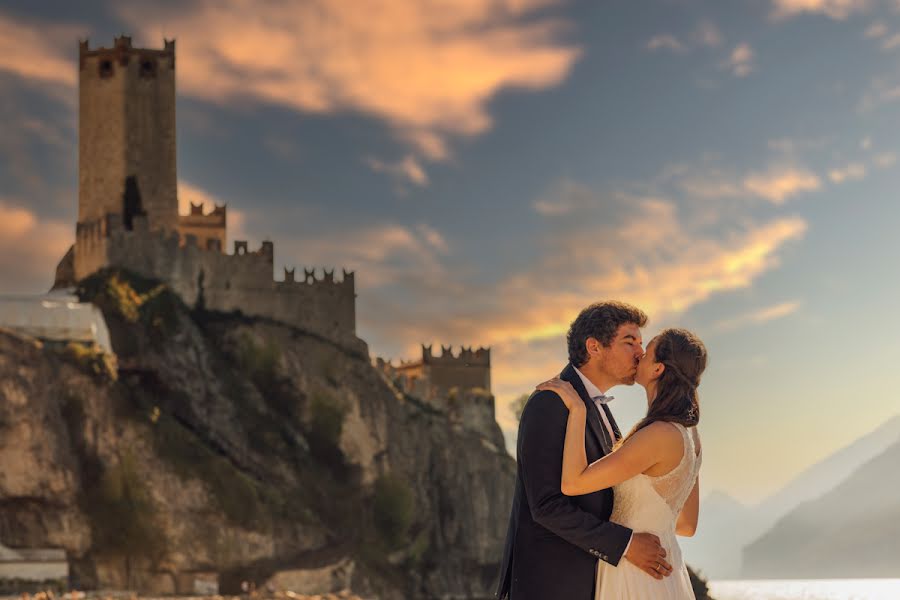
<point>241,281</point>
<point>435,376</point>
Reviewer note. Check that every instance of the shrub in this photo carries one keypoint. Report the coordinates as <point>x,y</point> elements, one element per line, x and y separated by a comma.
<point>122,515</point>
<point>134,299</point>
<point>393,508</point>
<point>259,362</point>
<point>92,359</point>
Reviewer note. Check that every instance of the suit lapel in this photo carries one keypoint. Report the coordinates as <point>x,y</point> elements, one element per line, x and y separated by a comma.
<point>593,415</point>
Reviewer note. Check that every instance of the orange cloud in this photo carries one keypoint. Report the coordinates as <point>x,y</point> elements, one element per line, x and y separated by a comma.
<point>778,184</point>
<point>835,9</point>
<point>39,52</point>
<point>757,317</point>
<point>428,68</point>
<point>30,249</point>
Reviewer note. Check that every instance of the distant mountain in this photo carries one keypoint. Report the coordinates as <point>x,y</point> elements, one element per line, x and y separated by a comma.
<point>823,476</point>
<point>852,531</point>
<point>726,526</point>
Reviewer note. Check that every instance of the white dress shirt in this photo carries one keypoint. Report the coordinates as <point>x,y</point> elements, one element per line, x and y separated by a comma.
<point>596,393</point>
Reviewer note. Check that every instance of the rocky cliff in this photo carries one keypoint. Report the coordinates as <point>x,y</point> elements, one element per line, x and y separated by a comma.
<point>222,446</point>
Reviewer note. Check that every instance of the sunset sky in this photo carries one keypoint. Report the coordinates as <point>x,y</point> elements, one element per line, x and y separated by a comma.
<point>489,167</point>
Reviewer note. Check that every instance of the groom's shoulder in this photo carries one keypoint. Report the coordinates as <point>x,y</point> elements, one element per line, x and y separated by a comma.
<point>543,403</point>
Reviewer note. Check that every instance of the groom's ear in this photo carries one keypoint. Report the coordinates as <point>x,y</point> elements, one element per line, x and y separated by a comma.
<point>593,346</point>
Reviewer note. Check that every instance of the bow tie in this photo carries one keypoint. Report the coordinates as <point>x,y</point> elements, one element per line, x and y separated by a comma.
<point>602,399</point>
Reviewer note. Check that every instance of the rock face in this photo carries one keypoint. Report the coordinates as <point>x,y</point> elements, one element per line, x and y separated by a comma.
<point>243,449</point>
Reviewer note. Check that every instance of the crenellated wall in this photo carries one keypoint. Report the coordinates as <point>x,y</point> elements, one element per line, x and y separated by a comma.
<point>435,376</point>
<point>241,281</point>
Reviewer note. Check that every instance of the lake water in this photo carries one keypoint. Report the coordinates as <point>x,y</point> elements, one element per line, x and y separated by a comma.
<point>796,589</point>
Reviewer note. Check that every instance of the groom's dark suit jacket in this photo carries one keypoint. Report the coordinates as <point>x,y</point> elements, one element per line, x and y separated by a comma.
<point>554,541</point>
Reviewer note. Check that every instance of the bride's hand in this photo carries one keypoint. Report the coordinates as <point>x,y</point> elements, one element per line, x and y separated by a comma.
<point>565,391</point>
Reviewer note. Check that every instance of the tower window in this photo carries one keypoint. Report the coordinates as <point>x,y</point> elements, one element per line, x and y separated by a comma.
<point>148,68</point>
<point>106,68</point>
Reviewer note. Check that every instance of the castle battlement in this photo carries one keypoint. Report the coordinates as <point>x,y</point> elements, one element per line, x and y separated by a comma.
<point>433,377</point>
<point>465,357</point>
<point>311,279</point>
<point>122,53</point>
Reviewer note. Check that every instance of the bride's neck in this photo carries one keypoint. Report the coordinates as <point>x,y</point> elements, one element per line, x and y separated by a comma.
<point>651,393</point>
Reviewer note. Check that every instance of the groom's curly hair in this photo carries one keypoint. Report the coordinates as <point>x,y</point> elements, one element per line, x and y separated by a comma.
<point>600,321</point>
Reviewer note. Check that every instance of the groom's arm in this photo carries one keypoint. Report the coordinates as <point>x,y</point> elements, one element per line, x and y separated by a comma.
<point>542,432</point>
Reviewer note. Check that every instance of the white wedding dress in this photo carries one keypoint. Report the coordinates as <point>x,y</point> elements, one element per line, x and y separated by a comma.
<point>652,505</point>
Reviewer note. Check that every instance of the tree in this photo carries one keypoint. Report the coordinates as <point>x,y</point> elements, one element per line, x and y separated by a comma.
<point>518,405</point>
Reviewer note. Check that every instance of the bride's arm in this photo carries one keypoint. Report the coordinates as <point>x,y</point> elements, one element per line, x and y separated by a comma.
<point>690,514</point>
<point>634,457</point>
<point>638,454</point>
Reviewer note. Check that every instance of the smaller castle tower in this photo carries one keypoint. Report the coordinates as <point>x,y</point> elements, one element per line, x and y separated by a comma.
<point>209,228</point>
<point>434,375</point>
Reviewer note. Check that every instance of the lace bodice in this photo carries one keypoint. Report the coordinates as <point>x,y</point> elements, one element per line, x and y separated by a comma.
<point>652,504</point>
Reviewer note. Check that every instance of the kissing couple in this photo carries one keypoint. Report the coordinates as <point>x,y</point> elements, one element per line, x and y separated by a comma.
<point>586,498</point>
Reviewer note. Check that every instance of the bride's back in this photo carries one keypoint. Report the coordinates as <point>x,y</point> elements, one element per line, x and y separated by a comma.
<point>652,503</point>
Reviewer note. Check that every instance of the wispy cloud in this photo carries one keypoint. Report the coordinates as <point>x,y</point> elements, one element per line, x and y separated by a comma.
<point>885,160</point>
<point>706,34</point>
<point>406,170</point>
<point>848,172</point>
<point>835,9</point>
<point>876,30</point>
<point>780,183</point>
<point>428,68</point>
<point>757,317</point>
<point>740,61</point>
<point>666,41</point>
<point>564,198</point>
<point>40,52</point>
<point>891,42</point>
<point>776,184</point>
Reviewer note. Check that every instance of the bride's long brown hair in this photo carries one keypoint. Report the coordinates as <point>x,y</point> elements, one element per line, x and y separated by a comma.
<point>684,357</point>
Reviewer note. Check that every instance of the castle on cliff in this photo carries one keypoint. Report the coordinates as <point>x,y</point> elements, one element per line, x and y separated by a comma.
<point>128,205</point>
<point>128,217</point>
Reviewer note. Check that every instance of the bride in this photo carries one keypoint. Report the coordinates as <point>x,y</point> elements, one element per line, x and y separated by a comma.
<point>653,471</point>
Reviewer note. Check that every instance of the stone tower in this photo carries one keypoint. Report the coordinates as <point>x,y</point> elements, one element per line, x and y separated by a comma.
<point>126,134</point>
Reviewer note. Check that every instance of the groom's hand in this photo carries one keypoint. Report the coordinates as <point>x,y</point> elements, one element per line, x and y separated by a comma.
<point>647,554</point>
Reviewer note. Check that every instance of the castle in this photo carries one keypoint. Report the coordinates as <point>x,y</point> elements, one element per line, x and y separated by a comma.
<point>433,376</point>
<point>128,217</point>
<point>128,205</point>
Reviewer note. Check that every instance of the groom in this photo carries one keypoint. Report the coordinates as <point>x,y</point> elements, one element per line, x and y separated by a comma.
<point>554,541</point>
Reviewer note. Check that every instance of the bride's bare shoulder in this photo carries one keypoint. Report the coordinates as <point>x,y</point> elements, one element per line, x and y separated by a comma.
<point>658,433</point>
